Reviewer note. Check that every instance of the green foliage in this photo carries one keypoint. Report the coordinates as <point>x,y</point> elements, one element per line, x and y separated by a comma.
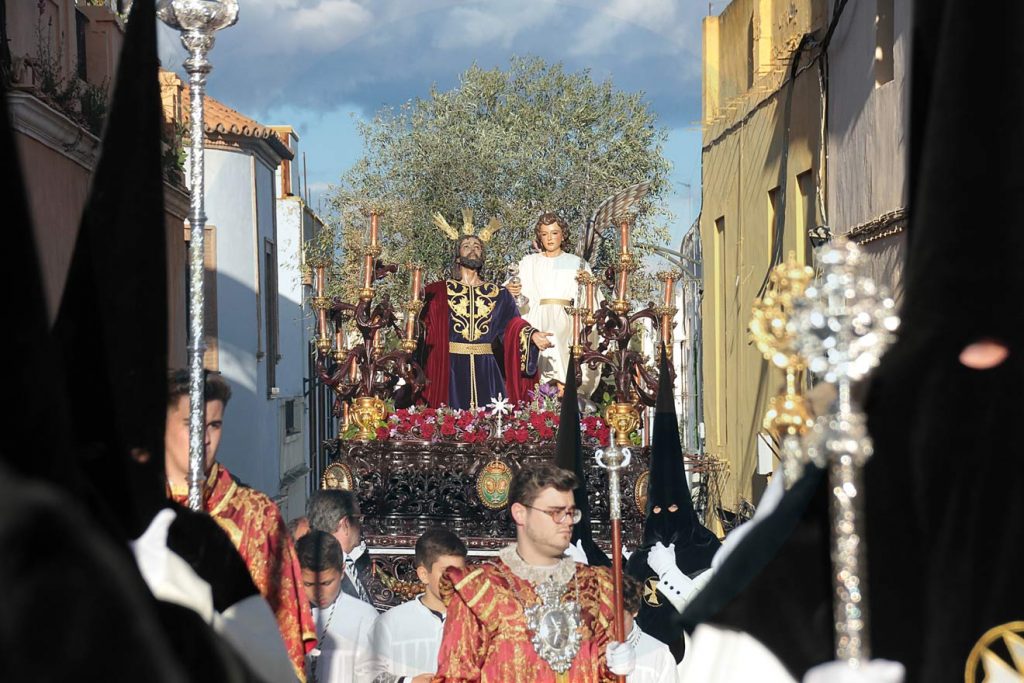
<point>510,143</point>
<point>174,142</point>
<point>82,102</point>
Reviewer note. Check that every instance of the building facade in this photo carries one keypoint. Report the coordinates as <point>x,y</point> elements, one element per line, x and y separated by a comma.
<point>255,324</point>
<point>761,164</point>
<point>63,58</point>
<point>868,103</point>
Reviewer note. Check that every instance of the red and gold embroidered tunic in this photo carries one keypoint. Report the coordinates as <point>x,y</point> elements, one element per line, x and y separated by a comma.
<point>255,526</point>
<point>486,637</point>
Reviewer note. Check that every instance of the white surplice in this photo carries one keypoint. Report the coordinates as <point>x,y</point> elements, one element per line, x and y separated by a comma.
<point>406,640</point>
<point>343,640</point>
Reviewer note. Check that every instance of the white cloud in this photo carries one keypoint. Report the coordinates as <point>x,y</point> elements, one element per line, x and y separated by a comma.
<point>491,25</point>
<point>327,24</point>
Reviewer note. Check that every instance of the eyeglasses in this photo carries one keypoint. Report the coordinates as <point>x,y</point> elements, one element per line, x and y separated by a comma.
<point>559,515</point>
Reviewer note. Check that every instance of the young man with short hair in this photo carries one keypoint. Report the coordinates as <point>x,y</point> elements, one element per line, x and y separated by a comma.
<point>336,512</point>
<point>250,519</point>
<point>343,623</point>
<point>406,638</point>
<point>533,615</point>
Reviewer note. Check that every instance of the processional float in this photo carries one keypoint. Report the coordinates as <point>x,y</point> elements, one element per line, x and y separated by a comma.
<point>363,375</point>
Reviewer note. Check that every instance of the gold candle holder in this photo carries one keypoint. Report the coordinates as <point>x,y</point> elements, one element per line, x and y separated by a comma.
<point>412,310</point>
<point>367,411</point>
<point>624,419</point>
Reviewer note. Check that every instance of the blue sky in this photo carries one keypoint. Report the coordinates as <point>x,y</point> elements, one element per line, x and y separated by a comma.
<point>320,65</point>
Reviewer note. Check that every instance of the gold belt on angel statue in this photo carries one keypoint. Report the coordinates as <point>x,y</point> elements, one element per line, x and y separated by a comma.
<point>556,302</point>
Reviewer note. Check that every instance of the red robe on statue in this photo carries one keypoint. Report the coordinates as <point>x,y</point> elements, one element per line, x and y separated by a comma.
<point>462,322</point>
<point>256,528</point>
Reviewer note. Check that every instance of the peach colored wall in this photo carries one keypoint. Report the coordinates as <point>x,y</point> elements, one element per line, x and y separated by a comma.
<point>57,189</point>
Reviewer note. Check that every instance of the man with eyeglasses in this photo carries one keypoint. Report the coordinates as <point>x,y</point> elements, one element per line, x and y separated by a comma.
<point>532,615</point>
<point>336,512</point>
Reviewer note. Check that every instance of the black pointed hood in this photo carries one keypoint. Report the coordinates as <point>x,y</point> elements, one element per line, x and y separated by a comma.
<point>569,456</point>
<point>695,544</point>
<point>113,316</point>
<point>41,409</point>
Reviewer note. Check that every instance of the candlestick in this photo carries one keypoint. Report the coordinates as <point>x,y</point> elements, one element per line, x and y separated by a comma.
<point>590,283</point>
<point>367,269</point>
<point>417,281</point>
<point>374,217</point>
<point>624,237</point>
<point>575,324</point>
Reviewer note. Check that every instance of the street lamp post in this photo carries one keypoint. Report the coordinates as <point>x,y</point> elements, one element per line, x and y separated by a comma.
<point>198,21</point>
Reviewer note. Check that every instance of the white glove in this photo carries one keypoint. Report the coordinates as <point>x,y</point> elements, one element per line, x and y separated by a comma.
<point>621,658</point>
<point>577,553</point>
<point>625,553</point>
<point>672,582</point>
<point>662,559</point>
<point>874,671</point>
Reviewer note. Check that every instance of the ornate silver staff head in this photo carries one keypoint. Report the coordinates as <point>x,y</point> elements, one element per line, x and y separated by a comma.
<point>842,325</point>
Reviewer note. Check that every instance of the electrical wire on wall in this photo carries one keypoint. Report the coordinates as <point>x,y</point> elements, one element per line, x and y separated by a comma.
<point>820,59</point>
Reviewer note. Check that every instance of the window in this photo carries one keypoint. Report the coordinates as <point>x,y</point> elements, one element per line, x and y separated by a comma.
<point>291,418</point>
<point>773,216</point>
<point>883,42</point>
<point>270,313</point>
<point>751,54</point>
<point>721,377</point>
<point>806,214</point>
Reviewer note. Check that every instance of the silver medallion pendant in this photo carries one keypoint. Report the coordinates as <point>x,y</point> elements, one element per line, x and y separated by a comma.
<point>555,624</point>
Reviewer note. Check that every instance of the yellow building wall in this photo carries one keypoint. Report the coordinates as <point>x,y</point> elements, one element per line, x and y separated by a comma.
<point>744,147</point>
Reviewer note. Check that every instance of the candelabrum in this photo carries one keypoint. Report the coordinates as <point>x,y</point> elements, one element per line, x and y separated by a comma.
<point>634,383</point>
<point>789,414</point>
<point>363,374</point>
<point>198,21</point>
<point>841,326</point>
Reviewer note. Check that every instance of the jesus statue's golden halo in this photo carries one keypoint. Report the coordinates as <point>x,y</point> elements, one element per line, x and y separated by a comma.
<point>484,235</point>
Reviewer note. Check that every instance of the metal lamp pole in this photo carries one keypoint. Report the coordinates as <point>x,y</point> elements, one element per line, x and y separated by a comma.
<point>197,20</point>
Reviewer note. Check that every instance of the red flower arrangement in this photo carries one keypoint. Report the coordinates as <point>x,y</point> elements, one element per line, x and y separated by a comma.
<point>530,422</point>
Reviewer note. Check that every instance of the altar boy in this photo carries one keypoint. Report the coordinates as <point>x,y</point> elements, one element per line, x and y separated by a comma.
<point>343,623</point>
<point>406,639</point>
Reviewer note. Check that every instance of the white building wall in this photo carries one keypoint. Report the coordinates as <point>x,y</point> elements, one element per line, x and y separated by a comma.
<point>240,204</point>
<point>292,368</point>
